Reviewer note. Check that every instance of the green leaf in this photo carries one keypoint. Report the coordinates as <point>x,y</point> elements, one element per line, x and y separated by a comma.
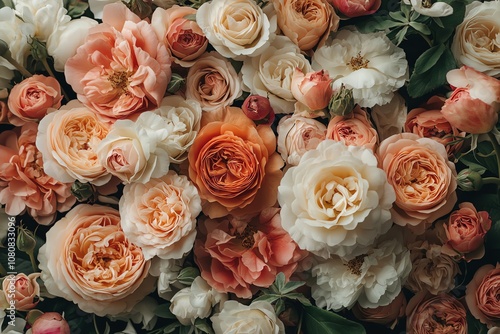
<point>271,298</point>
<point>279,283</point>
<point>438,21</point>
<point>429,58</point>
<point>163,311</point>
<point>279,307</point>
<point>400,36</point>
<point>185,329</point>
<point>317,320</point>
<point>492,241</point>
<point>203,326</point>
<point>398,16</point>
<point>300,298</point>
<point>171,328</point>
<point>420,27</point>
<point>484,155</point>
<point>291,286</point>
<point>445,26</point>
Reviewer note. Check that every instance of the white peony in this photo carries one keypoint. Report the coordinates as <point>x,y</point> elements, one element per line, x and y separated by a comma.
<point>336,200</point>
<point>369,64</point>
<point>237,28</point>
<point>167,272</point>
<point>372,279</point>
<point>430,8</point>
<point>270,74</point>
<point>15,33</point>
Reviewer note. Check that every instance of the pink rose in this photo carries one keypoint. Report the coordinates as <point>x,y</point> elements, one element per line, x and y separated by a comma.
<point>354,129</point>
<point>122,68</point>
<point>30,99</point>
<point>50,323</point>
<point>482,294</point>
<point>354,8</point>
<point>26,294</point>
<point>313,89</point>
<point>474,105</point>
<point>239,256</point>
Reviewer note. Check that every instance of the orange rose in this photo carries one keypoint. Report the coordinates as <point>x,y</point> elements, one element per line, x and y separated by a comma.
<point>234,164</point>
<point>482,294</point>
<point>26,292</point>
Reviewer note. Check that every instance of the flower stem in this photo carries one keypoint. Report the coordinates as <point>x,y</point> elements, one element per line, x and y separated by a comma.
<point>299,326</point>
<point>33,261</point>
<point>496,147</point>
<point>49,70</point>
<point>18,66</point>
<point>491,180</point>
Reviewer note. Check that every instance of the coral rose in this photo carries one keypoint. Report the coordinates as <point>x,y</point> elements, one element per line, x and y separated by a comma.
<point>122,68</point>
<point>313,89</point>
<point>482,294</point>
<point>423,178</point>
<point>234,164</point>
<point>26,294</point>
<point>88,260</point>
<point>32,98</point>
<point>239,256</point>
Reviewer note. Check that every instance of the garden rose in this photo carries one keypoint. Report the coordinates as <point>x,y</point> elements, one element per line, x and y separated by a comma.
<point>353,129</point>
<point>234,165</point>
<point>68,140</point>
<point>50,323</point>
<point>27,291</point>
<point>160,215</point>
<point>122,68</point>
<point>475,43</point>
<point>258,317</point>
<point>422,176</point>
<point>481,295</point>
<point>213,82</point>
<point>387,315</point>
<point>355,8</point>
<point>306,22</point>
<point>33,97</point>
<point>239,256</point>
<point>237,28</point>
<point>83,251</point>
<point>336,200</point>
<point>312,89</point>
<point>258,108</point>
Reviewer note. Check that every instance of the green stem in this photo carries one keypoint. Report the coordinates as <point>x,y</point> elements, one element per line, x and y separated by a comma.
<point>496,147</point>
<point>33,261</point>
<point>49,70</point>
<point>427,39</point>
<point>299,326</point>
<point>18,66</point>
<point>491,180</point>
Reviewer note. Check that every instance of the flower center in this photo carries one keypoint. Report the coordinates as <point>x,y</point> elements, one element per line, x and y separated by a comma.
<point>358,62</point>
<point>119,80</point>
<point>427,3</point>
<point>246,237</point>
<point>355,264</point>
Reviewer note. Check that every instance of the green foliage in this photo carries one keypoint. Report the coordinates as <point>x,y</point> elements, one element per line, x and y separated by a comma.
<point>316,320</point>
<point>483,155</point>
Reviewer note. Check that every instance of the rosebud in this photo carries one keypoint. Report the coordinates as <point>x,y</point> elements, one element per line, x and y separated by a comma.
<point>313,89</point>
<point>82,191</point>
<point>355,8</point>
<point>50,322</point>
<point>258,108</point>
<point>38,50</point>
<point>26,240</point>
<point>469,180</point>
<point>341,103</point>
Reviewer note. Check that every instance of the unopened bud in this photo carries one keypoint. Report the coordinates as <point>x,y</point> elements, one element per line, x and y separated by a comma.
<point>258,108</point>
<point>469,180</point>
<point>341,103</point>
<point>38,50</point>
<point>82,191</point>
<point>26,240</point>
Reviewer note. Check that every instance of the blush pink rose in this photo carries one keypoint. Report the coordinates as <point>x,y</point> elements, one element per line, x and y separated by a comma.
<point>23,182</point>
<point>240,256</point>
<point>31,99</point>
<point>474,105</point>
<point>50,323</point>
<point>27,291</point>
<point>122,68</point>
<point>482,294</point>
<point>355,8</point>
<point>313,89</point>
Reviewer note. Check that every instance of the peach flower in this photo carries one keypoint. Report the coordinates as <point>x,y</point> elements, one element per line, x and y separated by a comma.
<point>4,112</point>
<point>184,37</point>
<point>423,178</point>
<point>355,8</point>
<point>234,164</point>
<point>354,129</point>
<point>387,315</point>
<point>306,22</point>
<point>26,294</point>
<point>68,139</point>
<point>23,183</point>
<point>88,260</point>
<point>435,314</point>
<point>122,68</point>
<point>32,98</point>
<point>239,256</point>
<point>482,294</point>
<point>428,121</point>
<point>49,323</point>
<point>313,89</point>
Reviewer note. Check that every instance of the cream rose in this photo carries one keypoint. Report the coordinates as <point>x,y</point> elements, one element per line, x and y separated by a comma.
<point>84,250</point>
<point>476,43</point>
<point>16,37</point>
<point>390,118</point>
<point>22,291</point>
<point>237,28</point>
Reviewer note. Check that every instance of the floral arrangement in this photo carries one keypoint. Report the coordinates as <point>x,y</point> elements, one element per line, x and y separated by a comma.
<point>249,166</point>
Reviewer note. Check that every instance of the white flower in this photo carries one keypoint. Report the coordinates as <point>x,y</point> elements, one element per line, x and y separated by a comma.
<point>97,6</point>
<point>15,33</point>
<point>372,279</point>
<point>428,8</point>
<point>256,318</point>
<point>195,301</point>
<point>390,118</point>
<point>370,64</point>
<point>143,312</point>
<point>336,200</point>
<point>270,74</point>
<point>182,121</point>
<point>167,272</point>
<point>477,38</point>
<point>237,28</point>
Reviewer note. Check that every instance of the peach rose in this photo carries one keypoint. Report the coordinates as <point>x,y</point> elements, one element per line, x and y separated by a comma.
<point>465,231</point>
<point>428,121</point>
<point>184,37</point>
<point>122,68</point>
<point>355,8</point>
<point>213,82</point>
<point>474,105</point>
<point>422,176</point>
<point>239,256</point>
<point>385,315</point>
<point>26,293</point>
<point>307,23</point>
<point>354,129</point>
<point>4,112</point>
<point>234,164</point>
<point>32,98</point>
<point>23,183</point>
<point>313,89</point>
<point>442,313</point>
<point>481,295</point>
<point>68,140</point>
<point>88,260</point>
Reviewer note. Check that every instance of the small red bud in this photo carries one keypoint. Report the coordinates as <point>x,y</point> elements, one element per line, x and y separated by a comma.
<point>258,108</point>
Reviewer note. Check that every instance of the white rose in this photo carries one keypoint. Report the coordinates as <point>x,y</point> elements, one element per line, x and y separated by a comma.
<point>477,38</point>
<point>390,118</point>
<point>167,272</point>
<point>270,74</point>
<point>15,33</point>
<point>256,318</point>
<point>336,200</point>
<point>64,41</point>
<point>182,121</point>
<point>45,15</point>
<point>237,28</point>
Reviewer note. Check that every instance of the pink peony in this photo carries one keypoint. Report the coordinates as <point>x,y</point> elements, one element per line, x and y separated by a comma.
<point>355,8</point>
